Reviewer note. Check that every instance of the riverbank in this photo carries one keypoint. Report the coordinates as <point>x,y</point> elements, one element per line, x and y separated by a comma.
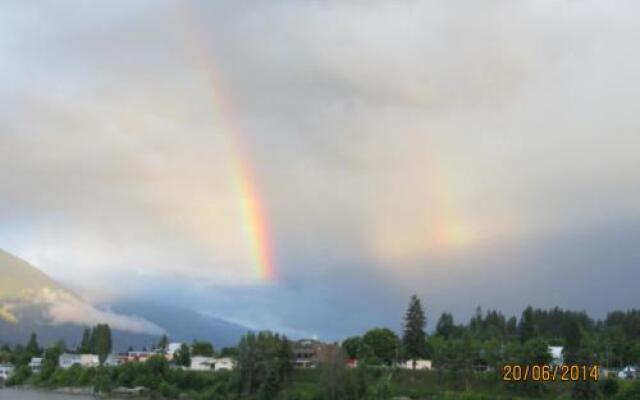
<point>62,393</point>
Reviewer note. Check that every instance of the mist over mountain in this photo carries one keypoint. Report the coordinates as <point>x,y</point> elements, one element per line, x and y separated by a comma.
<point>30,301</point>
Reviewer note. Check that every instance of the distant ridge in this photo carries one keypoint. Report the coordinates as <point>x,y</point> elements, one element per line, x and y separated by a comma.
<point>29,300</point>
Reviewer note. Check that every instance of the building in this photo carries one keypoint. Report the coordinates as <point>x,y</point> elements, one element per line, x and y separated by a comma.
<point>36,365</point>
<point>84,360</point>
<point>6,371</point>
<point>172,349</point>
<point>307,353</point>
<point>628,372</point>
<point>224,363</point>
<point>352,363</point>
<point>200,363</point>
<point>139,356</point>
<point>112,360</point>
<point>556,355</point>
<point>419,365</point>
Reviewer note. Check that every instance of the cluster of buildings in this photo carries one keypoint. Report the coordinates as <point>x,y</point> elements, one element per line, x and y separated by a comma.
<point>68,360</point>
<point>309,353</point>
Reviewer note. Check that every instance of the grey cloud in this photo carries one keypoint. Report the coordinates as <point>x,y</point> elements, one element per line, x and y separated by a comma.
<point>387,137</point>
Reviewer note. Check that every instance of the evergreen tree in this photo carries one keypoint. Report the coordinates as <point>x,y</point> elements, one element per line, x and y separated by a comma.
<point>85,345</point>
<point>101,341</point>
<point>285,360</point>
<point>526,328</point>
<point>202,348</point>
<point>163,344</point>
<point>33,349</point>
<point>414,326</point>
<point>183,356</point>
<point>445,326</point>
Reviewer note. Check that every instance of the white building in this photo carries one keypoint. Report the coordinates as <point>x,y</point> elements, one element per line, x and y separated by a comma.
<point>6,370</point>
<point>628,372</point>
<point>112,360</point>
<point>556,355</point>
<point>36,365</point>
<point>172,348</point>
<point>84,360</point>
<point>224,363</point>
<point>420,364</point>
<point>200,363</point>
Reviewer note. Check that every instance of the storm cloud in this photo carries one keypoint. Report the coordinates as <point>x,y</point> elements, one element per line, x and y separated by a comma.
<point>436,147</point>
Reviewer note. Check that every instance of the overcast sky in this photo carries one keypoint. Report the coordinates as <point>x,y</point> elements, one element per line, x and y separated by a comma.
<point>474,153</point>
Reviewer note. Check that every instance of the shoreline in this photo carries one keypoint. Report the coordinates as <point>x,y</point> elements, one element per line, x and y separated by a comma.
<point>86,391</point>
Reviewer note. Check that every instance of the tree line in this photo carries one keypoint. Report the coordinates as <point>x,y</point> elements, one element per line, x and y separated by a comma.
<point>467,358</point>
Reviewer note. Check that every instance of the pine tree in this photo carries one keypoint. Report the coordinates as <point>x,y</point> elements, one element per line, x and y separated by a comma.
<point>33,349</point>
<point>85,345</point>
<point>101,341</point>
<point>163,344</point>
<point>446,326</point>
<point>285,359</point>
<point>527,328</point>
<point>183,356</point>
<point>415,323</point>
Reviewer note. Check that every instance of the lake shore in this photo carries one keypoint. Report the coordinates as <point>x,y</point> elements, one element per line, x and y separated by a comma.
<point>76,393</point>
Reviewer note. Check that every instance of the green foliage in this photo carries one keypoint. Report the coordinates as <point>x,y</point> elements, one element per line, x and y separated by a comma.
<point>351,346</point>
<point>415,323</point>
<point>20,377</point>
<point>86,345</point>
<point>163,343</point>
<point>264,363</point>
<point>526,327</point>
<point>101,342</point>
<point>380,346</point>
<point>446,327</point>
<point>183,356</point>
<point>202,348</point>
<point>33,349</point>
<point>630,392</point>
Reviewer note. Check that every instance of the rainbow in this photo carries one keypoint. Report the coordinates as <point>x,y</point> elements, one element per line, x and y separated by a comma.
<point>254,217</point>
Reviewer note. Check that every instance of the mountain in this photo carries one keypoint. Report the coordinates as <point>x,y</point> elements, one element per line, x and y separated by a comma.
<point>184,325</point>
<point>30,301</point>
<point>20,279</point>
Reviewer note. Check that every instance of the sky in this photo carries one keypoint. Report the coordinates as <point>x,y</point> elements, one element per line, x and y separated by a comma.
<point>306,166</point>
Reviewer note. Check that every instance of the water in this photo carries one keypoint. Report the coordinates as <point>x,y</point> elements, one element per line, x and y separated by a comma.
<point>13,394</point>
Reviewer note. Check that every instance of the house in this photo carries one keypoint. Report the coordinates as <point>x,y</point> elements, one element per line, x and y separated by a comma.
<point>135,392</point>
<point>36,365</point>
<point>307,353</point>
<point>172,349</point>
<point>112,360</point>
<point>556,354</point>
<point>200,363</point>
<point>419,364</point>
<point>6,370</point>
<point>628,372</point>
<point>224,363</point>
<point>139,356</point>
<point>84,360</point>
<point>352,363</point>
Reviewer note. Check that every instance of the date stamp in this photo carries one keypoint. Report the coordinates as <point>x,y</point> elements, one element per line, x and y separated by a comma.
<point>550,373</point>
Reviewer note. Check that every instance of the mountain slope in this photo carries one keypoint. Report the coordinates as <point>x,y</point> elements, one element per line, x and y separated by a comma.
<point>30,301</point>
<point>19,278</point>
<point>184,325</point>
